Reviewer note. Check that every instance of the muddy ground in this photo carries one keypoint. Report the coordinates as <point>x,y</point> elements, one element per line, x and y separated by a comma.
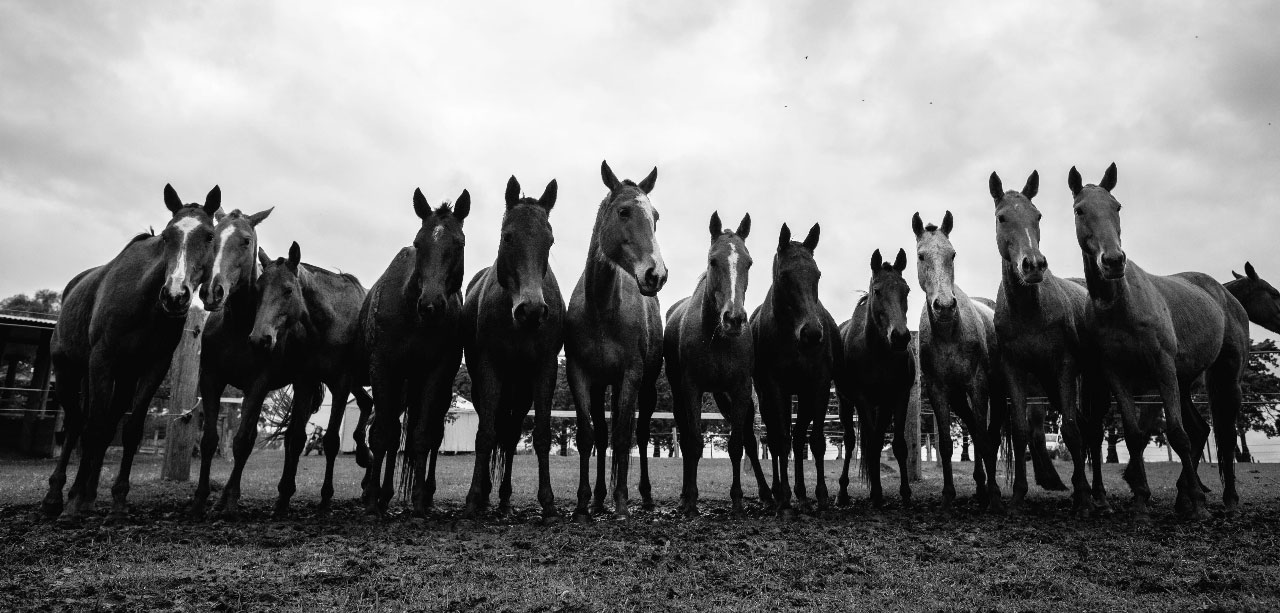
<point>840,559</point>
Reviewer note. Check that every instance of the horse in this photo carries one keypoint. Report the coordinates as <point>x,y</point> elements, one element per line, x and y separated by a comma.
<point>301,334</point>
<point>879,370</point>
<point>513,322</point>
<point>706,350</point>
<point>228,358</point>
<point>1260,300</point>
<point>112,345</point>
<point>1162,332</point>
<point>958,351</point>
<point>798,353</point>
<point>1039,319</point>
<point>613,339</point>
<point>409,348</point>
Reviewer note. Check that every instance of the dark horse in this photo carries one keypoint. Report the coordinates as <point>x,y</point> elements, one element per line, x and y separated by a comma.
<point>879,370</point>
<point>115,337</point>
<point>513,328</point>
<point>410,347</point>
<point>797,353</point>
<point>613,338</point>
<point>958,352</point>
<point>1039,319</point>
<point>706,351</point>
<point>228,358</point>
<point>301,334</point>
<point>1161,332</point>
<point>1259,299</point>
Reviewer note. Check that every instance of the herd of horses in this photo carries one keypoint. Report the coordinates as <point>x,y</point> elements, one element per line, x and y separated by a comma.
<point>1115,334</point>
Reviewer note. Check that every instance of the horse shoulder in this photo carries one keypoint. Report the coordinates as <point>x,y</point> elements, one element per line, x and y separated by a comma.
<point>475,279</point>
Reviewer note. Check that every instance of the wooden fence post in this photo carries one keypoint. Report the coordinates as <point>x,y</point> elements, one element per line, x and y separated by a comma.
<point>913,416</point>
<point>183,415</point>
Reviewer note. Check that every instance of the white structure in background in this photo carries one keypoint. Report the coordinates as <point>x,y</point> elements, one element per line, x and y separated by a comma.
<point>459,434</point>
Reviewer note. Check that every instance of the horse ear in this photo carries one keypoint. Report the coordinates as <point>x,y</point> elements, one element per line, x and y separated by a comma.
<point>744,227</point>
<point>295,257</point>
<point>171,199</point>
<point>646,185</point>
<point>513,191</point>
<point>917,225</point>
<point>213,201</point>
<point>811,241</point>
<point>1250,272</point>
<point>1074,181</point>
<point>1109,178</point>
<point>548,198</point>
<point>420,205</point>
<point>262,257</point>
<point>462,206</point>
<point>877,262</point>
<point>715,227</point>
<point>947,222</point>
<point>784,237</point>
<point>997,188</point>
<point>260,217</point>
<point>1033,185</point>
<point>1236,275</point>
<point>900,263</point>
<point>606,175</point>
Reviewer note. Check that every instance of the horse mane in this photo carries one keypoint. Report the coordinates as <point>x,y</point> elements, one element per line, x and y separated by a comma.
<point>445,208</point>
<point>316,269</point>
<point>862,299</point>
<point>931,228</point>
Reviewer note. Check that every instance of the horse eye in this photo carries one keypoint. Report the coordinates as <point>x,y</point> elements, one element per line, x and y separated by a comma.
<point>921,256</point>
<point>624,213</point>
<point>656,216</point>
<point>1079,212</point>
<point>246,241</point>
<point>876,291</point>
<point>208,239</point>
<point>288,291</point>
<point>1039,216</point>
<point>1000,218</point>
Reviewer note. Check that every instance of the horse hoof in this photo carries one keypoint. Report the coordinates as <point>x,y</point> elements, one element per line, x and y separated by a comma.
<point>51,508</point>
<point>690,511</point>
<point>597,510</point>
<point>504,510</point>
<point>787,514</point>
<point>843,500</point>
<point>581,518</point>
<point>738,513</point>
<point>551,517</point>
<point>648,505</point>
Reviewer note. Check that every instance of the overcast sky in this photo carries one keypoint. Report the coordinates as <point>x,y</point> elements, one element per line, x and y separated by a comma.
<point>854,115</point>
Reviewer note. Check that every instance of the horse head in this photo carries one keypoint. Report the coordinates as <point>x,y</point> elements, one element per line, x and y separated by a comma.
<point>625,230</point>
<point>188,246</point>
<point>887,300</point>
<point>1018,229</point>
<point>1098,224</point>
<point>280,300</point>
<point>523,251</point>
<point>1258,297</point>
<point>728,263</point>
<point>936,267</point>
<point>795,282</point>
<point>235,259</point>
<point>438,254</point>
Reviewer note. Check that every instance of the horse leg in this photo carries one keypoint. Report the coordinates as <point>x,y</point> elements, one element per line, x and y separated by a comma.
<point>743,404</point>
<point>873,447</point>
<point>1016,382</point>
<point>436,398</point>
<point>69,396</point>
<point>648,402</point>
<point>246,433</point>
<point>799,433</point>
<point>1188,481</point>
<point>1046,475</point>
<point>1224,401</point>
<point>584,397</point>
<point>1095,403</point>
<point>305,396</point>
<point>1062,393</point>
<point>940,398</point>
<point>600,423</point>
<point>815,405</point>
<point>96,434</point>
<point>384,431</point>
<point>974,419</point>
<point>776,414</point>
<point>736,446</point>
<point>625,404</point>
<point>145,389</point>
<point>486,393</point>
<point>688,413</point>
<point>341,392</point>
<point>516,400</point>
<point>1135,438</point>
<point>899,405</point>
<point>1198,433</point>
<point>211,387</point>
<point>997,419</point>
<point>543,400</point>
<point>846,426</point>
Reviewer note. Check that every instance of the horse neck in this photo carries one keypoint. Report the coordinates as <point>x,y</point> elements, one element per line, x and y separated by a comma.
<point>603,282</point>
<point>1022,297</point>
<point>1106,294</point>
<point>877,340</point>
<point>241,307</point>
<point>705,301</point>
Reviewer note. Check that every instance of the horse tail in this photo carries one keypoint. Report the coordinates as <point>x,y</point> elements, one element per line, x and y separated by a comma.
<point>363,400</point>
<point>410,469</point>
<point>507,428</point>
<point>867,427</point>
<point>1007,441</point>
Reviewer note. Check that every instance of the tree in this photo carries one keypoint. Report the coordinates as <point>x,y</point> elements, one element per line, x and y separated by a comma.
<point>1260,389</point>
<point>45,302</point>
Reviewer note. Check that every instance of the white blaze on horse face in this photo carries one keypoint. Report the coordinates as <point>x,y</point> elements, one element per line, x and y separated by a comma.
<point>733,273</point>
<point>651,215</point>
<point>178,278</point>
<point>226,235</point>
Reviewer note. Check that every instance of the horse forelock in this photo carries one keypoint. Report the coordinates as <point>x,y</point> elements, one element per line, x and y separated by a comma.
<point>931,228</point>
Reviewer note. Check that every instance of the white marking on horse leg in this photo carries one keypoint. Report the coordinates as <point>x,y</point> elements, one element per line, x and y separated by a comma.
<point>179,276</point>
<point>733,273</point>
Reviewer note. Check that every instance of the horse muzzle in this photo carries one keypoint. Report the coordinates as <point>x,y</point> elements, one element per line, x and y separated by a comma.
<point>1032,269</point>
<point>530,315</point>
<point>175,305</point>
<point>810,335</point>
<point>899,339</point>
<point>214,295</point>
<point>1112,265</point>
<point>732,324</point>
<point>262,342</point>
<point>943,309</point>
<point>652,278</point>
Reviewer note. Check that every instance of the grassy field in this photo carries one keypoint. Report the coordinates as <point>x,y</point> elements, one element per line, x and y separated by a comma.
<point>844,558</point>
